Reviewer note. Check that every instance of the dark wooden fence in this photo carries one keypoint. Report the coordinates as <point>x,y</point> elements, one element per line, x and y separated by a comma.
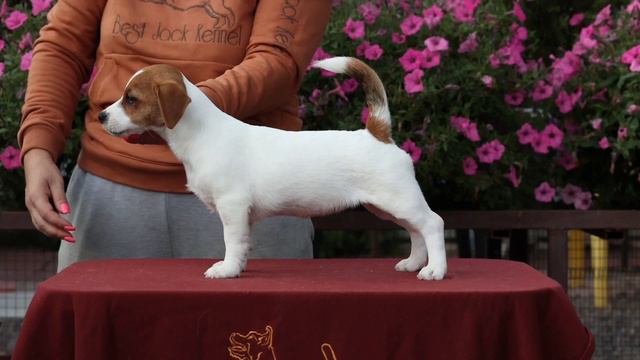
<point>556,222</point>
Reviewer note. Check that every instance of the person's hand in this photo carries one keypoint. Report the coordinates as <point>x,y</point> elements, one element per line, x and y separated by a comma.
<point>44,187</point>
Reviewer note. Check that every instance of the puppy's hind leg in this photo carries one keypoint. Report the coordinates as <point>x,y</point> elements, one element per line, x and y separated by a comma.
<point>418,256</point>
<point>408,208</point>
<point>237,240</point>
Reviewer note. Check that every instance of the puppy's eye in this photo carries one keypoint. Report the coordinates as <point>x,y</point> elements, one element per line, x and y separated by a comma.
<point>130,100</point>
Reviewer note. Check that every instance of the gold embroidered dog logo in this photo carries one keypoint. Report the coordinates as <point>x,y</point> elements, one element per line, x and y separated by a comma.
<point>259,346</point>
<point>216,9</point>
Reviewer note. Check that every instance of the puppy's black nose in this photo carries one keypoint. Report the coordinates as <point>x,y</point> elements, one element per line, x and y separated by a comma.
<point>102,117</point>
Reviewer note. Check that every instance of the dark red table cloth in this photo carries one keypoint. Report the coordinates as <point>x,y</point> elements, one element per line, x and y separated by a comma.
<point>301,309</point>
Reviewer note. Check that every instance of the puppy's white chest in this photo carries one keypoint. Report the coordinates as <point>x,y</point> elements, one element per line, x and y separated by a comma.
<point>199,189</point>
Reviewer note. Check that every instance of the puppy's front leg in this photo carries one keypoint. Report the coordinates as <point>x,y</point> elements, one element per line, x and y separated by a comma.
<point>237,241</point>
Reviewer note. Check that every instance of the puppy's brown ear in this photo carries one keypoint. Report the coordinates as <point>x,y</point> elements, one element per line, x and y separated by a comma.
<point>173,100</point>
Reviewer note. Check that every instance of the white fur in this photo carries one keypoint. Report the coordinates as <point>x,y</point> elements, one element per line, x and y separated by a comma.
<point>247,173</point>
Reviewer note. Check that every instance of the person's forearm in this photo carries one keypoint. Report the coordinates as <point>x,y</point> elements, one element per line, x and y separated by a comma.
<point>62,60</point>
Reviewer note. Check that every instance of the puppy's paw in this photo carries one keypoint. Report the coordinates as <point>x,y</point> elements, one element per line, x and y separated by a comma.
<point>223,270</point>
<point>433,271</point>
<point>410,264</point>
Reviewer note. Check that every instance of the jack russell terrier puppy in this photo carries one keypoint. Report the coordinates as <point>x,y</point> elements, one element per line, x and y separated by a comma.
<point>247,173</point>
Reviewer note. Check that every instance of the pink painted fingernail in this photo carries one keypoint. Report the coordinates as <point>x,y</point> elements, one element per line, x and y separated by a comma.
<point>64,208</point>
<point>69,228</point>
<point>69,239</point>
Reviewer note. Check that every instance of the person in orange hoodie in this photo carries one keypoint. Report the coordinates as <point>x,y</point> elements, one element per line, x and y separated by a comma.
<point>128,198</point>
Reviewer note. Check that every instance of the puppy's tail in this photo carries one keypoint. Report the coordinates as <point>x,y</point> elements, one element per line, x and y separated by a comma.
<point>379,121</point>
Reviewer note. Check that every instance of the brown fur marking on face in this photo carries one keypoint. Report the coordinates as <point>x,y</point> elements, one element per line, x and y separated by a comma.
<point>147,109</point>
<point>375,96</point>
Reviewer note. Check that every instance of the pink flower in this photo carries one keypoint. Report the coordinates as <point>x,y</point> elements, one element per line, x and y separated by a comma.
<point>413,82</point>
<point>603,143</point>
<point>515,98</point>
<point>470,44</point>
<point>25,61</point>
<point>10,158</point>
<point>520,33</point>
<point>490,152</point>
<point>517,11</point>
<point>603,16</point>
<point>364,115</point>
<point>542,91</point>
<point>398,38</point>
<point>512,176</point>
<point>1,45</point>
<point>463,10</point>
<point>565,69</point>
<point>469,166</point>
<point>583,200</point>
<point>632,57</point>
<point>15,20</point>
<point>411,25</point>
<point>576,19</point>
<point>568,161</point>
<point>472,132</point>
<point>586,37</point>
<point>360,49</point>
<point>39,6</point>
<point>411,60</point>
<point>596,123</point>
<point>544,192</point>
<point>430,59</point>
<point>432,16</point>
<point>633,109</point>
<point>369,12</point>
<point>436,44</point>
<point>622,133</point>
<point>413,150</point>
<point>26,41</point>
<point>349,85</point>
<point>468,128</point>
<point>552,135</point>
<point>459,122</point>
<point>494,61</point>
<point>354,29</point>
<point>569,193</point>
<point>634,6</point>
<point>498,149</point>
<point>487,81</point>
<point>566,102</point>
<point>315,96</point>
<point>373,52</point>
<point>338,90</point>
<point>526,134</point>
<point>320,54</point>
<point>539,144</point>
<point>3,8</point>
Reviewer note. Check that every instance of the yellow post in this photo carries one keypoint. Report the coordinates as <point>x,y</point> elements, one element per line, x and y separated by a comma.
<point>576,258</point>
<point>600,263</point>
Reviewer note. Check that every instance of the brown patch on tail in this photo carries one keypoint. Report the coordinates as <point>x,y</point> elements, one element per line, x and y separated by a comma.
<point>375,96</point>
<point>379,129</point>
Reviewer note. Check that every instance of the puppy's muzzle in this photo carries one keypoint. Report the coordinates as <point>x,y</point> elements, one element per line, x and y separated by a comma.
<point>103,116</point>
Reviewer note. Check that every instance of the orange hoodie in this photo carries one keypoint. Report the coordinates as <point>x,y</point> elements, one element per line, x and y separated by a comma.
<point>247,56</point>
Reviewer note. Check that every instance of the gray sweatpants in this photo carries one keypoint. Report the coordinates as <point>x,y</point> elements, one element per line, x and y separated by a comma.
<point>117,221</point>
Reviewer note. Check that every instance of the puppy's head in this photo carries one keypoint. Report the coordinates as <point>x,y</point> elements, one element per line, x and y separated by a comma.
<point>154,98</point>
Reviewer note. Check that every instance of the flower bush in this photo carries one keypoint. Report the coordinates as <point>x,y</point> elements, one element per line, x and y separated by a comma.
<point>490,120</point>
<point>498,106</point>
